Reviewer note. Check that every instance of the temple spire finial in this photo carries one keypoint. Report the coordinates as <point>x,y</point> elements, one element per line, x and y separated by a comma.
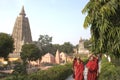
<point>22,11</point>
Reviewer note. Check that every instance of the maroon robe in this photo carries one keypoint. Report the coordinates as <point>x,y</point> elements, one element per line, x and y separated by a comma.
<point>92,69</point>
<point>79,68</point>
<point>74,62</point>
<point>97,67</point>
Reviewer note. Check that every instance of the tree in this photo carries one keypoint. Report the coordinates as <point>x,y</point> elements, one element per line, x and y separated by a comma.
<point>30,52</point>
<point>67,47</point>
<point>45,44</point>
<point>103,18</point>
<point>88,44</point>
<point>6,45</point>
<point>55,47</point>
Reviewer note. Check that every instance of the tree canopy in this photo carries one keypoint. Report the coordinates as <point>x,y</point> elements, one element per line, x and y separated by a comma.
<point>44,43</point>
<point>30,52</point>
<point>103,18</point>
<point>6,45</point>
<point>87,44</point>
<point>67,47</point>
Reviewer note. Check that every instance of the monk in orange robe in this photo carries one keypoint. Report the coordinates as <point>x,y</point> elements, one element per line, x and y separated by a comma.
<point>92,66</point>
<point>79,69</point>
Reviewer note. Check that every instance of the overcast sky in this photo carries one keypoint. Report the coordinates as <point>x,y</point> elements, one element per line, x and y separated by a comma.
<point>61,19</point>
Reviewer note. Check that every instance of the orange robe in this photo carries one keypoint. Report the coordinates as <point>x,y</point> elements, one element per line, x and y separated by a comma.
<point>92,69</point>
<point>79,68</point>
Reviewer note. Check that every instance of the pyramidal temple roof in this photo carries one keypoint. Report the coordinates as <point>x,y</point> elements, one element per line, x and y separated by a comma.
<point>21,31</point>
<point>22,11</point>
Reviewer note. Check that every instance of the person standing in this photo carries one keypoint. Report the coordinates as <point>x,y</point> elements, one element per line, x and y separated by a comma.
<point>74,62</point>
<point>92,66</point>
<point>79,69</point>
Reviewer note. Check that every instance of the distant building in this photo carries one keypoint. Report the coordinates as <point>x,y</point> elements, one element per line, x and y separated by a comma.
<point>63,57</point>
<point>48,58</point>
<point>57,59</point>
<point>81,49</point>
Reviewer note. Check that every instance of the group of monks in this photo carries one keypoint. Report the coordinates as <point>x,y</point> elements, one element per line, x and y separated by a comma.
<point>92,66</point>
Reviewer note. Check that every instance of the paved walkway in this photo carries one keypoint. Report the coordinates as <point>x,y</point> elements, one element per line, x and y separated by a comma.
<point>69,78</point>
<point>85,75</point>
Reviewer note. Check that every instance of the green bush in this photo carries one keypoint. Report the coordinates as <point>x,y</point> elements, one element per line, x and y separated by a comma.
<point>19,69</point>
<point>59,72</point>
<point>2,74</point>
<point>109,71</point>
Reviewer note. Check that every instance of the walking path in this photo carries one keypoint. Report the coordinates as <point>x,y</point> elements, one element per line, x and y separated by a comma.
<point>85,75</point>
<point>69,78</point>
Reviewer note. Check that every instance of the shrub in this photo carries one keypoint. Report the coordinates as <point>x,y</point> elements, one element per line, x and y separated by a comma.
<point>109,71</point>
<point>59,72</point>
<point>19,69</point>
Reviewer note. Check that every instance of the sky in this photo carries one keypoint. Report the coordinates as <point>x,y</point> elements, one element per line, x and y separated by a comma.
<point>61,19</point>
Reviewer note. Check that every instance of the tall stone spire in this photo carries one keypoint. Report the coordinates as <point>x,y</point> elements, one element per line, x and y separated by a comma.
<point>22,11</point>
<point>57,57</point>
<point>21,32</point>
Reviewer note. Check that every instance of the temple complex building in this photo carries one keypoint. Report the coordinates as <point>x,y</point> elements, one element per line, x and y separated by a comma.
<point>48,58</point>
<point>57,57</point>
<point>21,33</point>
<point>63,57</point>
<point>81,49</point>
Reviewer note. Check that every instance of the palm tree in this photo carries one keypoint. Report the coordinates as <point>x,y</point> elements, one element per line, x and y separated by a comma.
<point>103,18</point>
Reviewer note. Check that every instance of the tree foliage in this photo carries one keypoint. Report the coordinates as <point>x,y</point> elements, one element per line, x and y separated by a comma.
<point>6,45</point>
<point>103,18</point>
<point>67,47</point>
<point>19,69</point>
<point>109,71</point>
<point>58,72</point>
<point>55,47</point>
<point>45,44</point>
<point>87,44</point>
<point>30,52</point>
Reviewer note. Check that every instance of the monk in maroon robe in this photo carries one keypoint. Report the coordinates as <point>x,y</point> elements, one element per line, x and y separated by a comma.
<point>74,62</point>
<point>79,69</point>
<point>97,66</point>
<point>92,66</point>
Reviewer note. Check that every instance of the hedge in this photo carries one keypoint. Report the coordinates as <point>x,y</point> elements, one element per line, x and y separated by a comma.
<point>109,71</point>
<point>59,72</point>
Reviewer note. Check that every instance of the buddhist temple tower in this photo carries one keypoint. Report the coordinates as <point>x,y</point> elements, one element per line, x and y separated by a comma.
<point>81,44</point>
<point>21,32</point>
<point>81,48</point>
